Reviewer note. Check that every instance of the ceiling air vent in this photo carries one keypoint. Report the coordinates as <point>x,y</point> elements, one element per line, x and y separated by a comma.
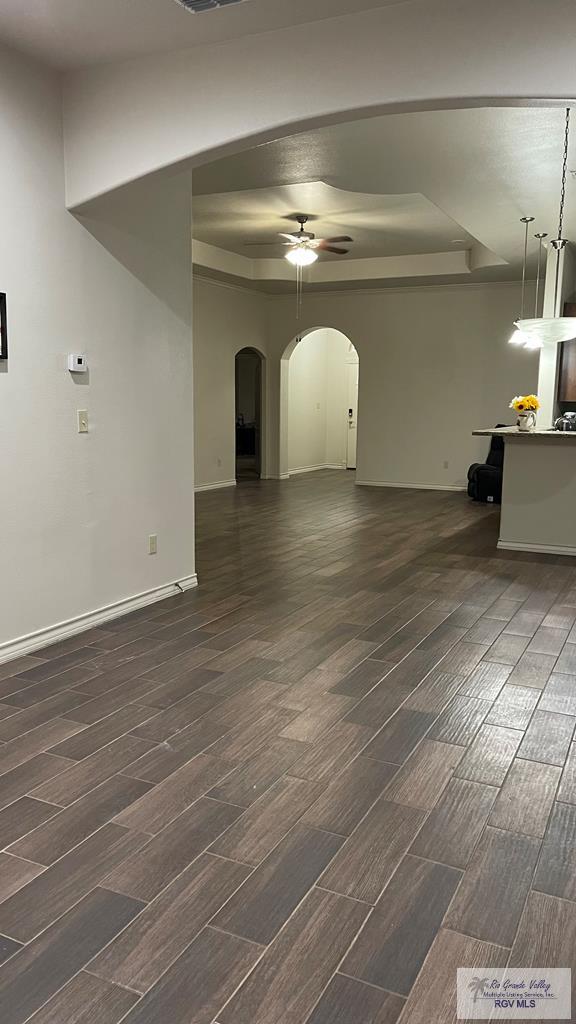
<point>197,6</point>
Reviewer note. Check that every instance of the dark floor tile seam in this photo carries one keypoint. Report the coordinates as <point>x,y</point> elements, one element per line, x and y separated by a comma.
<point>550,895</point>
<point>566,714</point>
<point>242,982</point>
<point>354,899</point>
<point>388,880</point>
<point>31,654</point>
<point>224,931</point>
<point>100,721</point>
<point>38,935</point>
<point>26,861</point>
<point>296,824</point>
<point>116,984</point>
<point>84,968</point>
<point>370,984</point>
<point>220,856</point>
<point>58,670</point>
<point>514,759</point>
<point>530,760</point>
<point>314,885</point>
<point>279,932</point>
<point>162,894</point>
<point>259,628</point>
<point>347,950</point>
<point>228,803</point>
<point>529,889</point>
<point>419,741</point>
<point>49,803</point>
<point>364,629</point>
<point>153,635</point>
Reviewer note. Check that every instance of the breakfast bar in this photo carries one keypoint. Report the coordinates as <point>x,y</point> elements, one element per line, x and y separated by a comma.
<point>538,490</point>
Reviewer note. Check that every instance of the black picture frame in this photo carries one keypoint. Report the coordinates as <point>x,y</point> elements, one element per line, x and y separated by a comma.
<point>3,327</point>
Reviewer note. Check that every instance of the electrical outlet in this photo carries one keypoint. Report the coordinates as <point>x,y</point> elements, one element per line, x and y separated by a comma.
<point>152,544</point>
<point>82,421</point>
<point>445,463</point>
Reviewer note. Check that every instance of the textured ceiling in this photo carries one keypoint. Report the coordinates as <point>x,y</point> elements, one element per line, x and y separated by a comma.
<point>481,168</point>
<point>380,225</point>
<point>74,33</point>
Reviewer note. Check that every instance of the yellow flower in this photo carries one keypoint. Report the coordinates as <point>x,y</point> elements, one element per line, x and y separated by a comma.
<point>525,403</point>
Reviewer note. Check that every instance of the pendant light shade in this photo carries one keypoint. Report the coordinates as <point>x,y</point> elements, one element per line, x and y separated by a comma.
<point>517,338</point>
<point>546,330</point>
<point>539,331</point>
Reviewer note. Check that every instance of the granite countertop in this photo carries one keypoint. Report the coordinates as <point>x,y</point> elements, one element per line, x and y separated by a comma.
<point>513,432</point>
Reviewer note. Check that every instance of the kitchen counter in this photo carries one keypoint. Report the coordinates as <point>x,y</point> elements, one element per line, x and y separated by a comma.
<point>538,490</point>
<point>512,433</point>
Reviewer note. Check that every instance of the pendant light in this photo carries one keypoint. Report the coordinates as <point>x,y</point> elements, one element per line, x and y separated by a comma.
<point>518,338</point>
<point>553,330</point>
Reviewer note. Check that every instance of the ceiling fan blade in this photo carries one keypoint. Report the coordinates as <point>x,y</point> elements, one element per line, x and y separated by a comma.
<point>339,238</point>
<point>333,248</point>
<point>291,238</point>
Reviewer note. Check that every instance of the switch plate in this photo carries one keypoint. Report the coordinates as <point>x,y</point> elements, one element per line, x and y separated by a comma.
<point>152,544</point>
<point>82,421</point>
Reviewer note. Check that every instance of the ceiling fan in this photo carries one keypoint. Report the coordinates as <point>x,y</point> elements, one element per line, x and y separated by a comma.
<point>304,246</point>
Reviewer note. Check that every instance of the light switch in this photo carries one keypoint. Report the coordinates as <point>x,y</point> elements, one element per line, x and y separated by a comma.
<point>82,421</point>
<point>152,544</point>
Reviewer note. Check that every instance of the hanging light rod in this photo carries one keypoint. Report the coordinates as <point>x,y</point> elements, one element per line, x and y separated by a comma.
<point>517,337</point>
<point>538,331</point>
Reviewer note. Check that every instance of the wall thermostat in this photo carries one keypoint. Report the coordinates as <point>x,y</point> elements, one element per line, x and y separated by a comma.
<point>77,364</point>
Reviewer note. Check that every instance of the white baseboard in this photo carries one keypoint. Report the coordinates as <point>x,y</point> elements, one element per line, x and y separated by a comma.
<point>312,469</point>
<point>62,630</point>
<point>216,486</point>
<point>539,549</point>
<point>416,487</point>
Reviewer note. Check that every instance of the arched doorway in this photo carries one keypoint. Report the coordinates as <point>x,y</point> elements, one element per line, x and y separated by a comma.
<point>318,402</point>
<point>248,413</point>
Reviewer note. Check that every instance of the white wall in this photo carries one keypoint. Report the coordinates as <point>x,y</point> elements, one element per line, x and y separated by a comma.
<point>77,509</point>
<point>317,401</point>
<point>226,319</point>
<point>434,364</point>
<point>409,55</point>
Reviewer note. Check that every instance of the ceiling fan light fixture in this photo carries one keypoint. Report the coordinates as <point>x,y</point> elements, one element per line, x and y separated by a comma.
<point>301,256</point>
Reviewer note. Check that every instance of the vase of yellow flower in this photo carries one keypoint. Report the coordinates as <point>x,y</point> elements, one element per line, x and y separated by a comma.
<point>526,406</point>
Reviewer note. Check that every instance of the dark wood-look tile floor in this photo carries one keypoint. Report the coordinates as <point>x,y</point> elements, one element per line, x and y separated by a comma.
<point>306,791</point>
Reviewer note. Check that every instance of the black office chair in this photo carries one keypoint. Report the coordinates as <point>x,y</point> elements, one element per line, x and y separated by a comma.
<point>485,478</point>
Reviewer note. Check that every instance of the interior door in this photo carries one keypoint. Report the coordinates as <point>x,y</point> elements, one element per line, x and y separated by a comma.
<point>352,415</point>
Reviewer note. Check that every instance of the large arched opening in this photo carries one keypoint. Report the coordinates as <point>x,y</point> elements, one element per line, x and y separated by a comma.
<point>318,407</point>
